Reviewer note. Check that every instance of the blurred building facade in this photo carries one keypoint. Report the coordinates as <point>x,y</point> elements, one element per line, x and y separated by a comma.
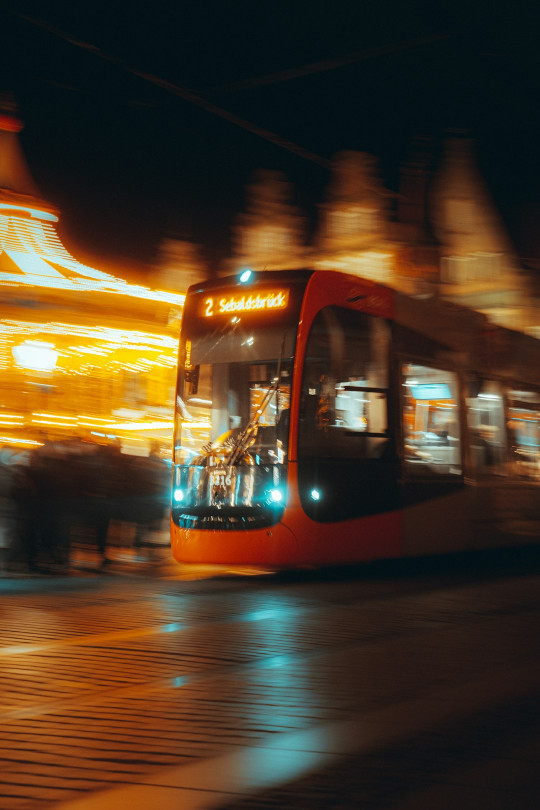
<point>439,236</point>
<point>179,265</point>
<point>478,266</point>
<point>270,235</point>
<point>83,353</point>
<point>354,221</point>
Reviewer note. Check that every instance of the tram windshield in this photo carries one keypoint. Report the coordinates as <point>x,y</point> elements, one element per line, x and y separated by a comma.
<point>237,409</point>
<point>233,399</point>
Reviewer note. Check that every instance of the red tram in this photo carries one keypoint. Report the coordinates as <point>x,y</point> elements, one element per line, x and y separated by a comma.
<point>325,419</point>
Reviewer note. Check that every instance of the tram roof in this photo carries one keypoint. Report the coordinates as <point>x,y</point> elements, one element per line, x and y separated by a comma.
<point>473,340</point>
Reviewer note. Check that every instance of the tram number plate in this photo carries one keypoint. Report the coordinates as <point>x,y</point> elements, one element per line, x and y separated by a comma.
<point>220,479</point>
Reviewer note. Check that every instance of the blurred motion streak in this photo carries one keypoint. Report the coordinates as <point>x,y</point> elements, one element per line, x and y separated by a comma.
<point>74,336</point>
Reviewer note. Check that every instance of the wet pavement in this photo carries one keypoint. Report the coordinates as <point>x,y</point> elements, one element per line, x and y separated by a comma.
<point>148,685</point>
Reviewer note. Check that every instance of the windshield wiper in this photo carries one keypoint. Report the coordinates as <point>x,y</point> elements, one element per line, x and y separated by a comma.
<point>244,438</point>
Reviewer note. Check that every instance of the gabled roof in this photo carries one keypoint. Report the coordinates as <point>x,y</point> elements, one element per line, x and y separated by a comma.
<point>31,253</point>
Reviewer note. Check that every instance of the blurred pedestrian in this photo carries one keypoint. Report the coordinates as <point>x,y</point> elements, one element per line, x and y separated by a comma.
<point>6,512</point>
<point>104,483</point>
<point>26,511</point>
<point>50,475</point>
<point>151,488</point>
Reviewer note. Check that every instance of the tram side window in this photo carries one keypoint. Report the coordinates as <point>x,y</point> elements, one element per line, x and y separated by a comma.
<point>485,418</point>
<point>523,427</point>
<point>343,412</point>
<point>432,442</point>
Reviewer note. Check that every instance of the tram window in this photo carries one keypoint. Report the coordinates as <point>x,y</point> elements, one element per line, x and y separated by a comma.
<point>343,412</point>
<point>430,421</point>
<point>347,464</point>
<point>485,418</point>
<point>523,428</point>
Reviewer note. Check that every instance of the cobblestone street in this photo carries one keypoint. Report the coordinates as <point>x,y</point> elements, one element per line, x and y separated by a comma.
<point>153,687</point>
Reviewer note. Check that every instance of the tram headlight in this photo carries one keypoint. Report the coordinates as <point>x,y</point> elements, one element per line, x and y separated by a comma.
<point>178,495</point>
<point>245,275</point>
<point>274,497</point>
<point>315,495</point>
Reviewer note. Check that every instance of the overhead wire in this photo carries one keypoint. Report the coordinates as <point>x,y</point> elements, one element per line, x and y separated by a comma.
<point>331,64</point>
<point>181,92</point>
<point>267,79</point>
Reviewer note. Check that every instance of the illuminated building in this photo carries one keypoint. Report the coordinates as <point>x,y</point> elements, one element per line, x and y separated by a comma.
<point>82,352</point>
<point>478,265</point>
<point>179,265</point>
<point>270,234</point>
<point>439,236</point>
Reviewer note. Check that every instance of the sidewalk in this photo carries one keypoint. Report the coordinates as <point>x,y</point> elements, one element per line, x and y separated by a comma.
<point>123,558</point>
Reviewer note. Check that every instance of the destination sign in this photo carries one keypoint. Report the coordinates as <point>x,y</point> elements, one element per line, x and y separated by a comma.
<point>262,301</point>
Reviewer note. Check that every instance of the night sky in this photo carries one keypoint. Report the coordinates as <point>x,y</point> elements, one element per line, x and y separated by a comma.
<point>129,162</point>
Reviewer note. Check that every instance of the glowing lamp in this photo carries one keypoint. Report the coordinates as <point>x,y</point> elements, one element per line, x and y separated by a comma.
<point>35,355</point>
<point>245,275</point>
<point>315,494</point>
<point>178,495</point>
<point>275,495</point>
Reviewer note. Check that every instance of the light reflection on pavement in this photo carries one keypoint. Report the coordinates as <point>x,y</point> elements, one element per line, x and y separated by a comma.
<point>148,691</point>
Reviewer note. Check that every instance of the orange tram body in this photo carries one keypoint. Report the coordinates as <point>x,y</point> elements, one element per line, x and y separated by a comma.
<point>323,419</point>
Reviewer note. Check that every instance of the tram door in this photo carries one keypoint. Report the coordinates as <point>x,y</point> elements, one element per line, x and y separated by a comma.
<point>433,496</point>
<point>347,466</point>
